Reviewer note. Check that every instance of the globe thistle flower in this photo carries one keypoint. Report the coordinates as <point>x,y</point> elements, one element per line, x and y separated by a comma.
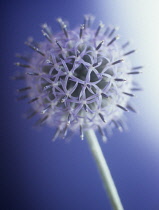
<point>79,79</point>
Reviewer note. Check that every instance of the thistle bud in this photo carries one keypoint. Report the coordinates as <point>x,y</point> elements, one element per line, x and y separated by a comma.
<point>79,79</point>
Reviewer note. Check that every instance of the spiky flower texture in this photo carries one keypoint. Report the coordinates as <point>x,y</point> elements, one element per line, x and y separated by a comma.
<point>79,79</point>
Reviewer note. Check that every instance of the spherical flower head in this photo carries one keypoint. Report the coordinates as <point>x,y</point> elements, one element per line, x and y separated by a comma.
<point>79,79</point>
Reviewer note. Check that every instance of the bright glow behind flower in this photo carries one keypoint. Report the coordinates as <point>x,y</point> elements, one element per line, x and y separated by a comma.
<point>79,79</point>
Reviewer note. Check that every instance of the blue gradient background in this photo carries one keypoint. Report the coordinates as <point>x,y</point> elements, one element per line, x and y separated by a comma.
<point>37,174</point>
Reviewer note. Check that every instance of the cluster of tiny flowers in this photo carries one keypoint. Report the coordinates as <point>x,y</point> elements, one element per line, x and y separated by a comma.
<point>78,79</point>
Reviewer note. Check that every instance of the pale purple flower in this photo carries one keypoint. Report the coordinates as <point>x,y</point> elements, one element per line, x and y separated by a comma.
<point>79,79</point>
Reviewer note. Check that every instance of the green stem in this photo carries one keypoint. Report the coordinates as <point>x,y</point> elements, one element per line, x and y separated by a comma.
<point>104,170</point>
